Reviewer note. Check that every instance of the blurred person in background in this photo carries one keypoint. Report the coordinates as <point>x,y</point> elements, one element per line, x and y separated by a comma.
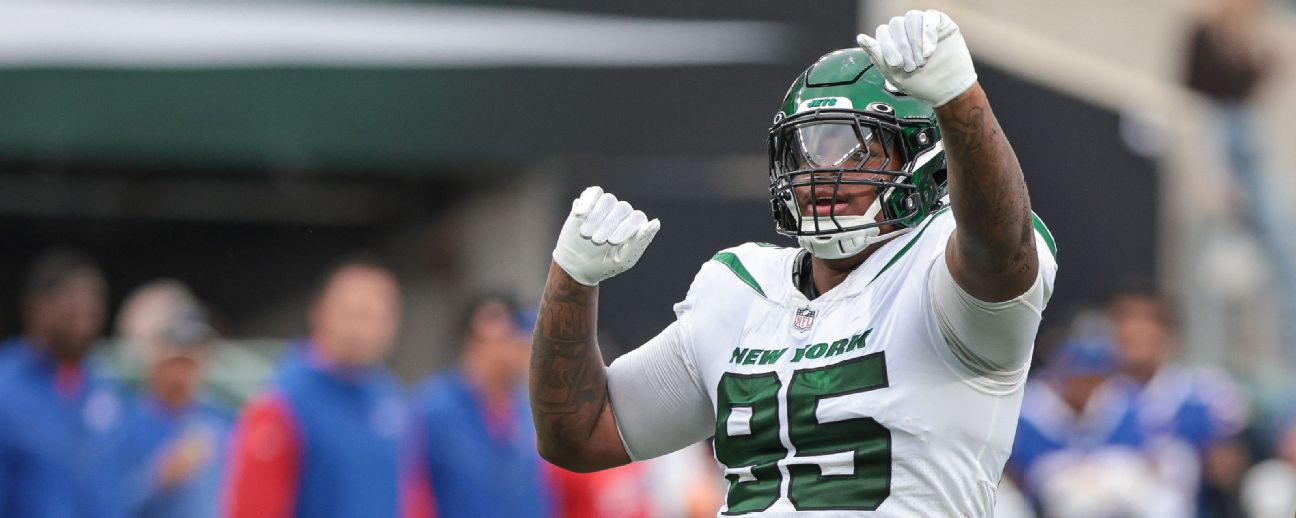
<point>1228,59</point>
<point>60,418</point>
<point>1010,502</point>
<point>685,483</point>
<point>481,453</point>
<point>613,493</point>
<point>1078,450</point>
<point>333,437</point>
<point>145,320</point>
<point>1269,488</point>
<point>172,455</point>
<point>481,450</point>
<point>1197,412</point>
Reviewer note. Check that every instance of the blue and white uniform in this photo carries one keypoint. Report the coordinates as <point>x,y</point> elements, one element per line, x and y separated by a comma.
<point>58,423</point>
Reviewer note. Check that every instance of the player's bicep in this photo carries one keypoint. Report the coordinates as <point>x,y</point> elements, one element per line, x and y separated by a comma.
<point>657,397</point>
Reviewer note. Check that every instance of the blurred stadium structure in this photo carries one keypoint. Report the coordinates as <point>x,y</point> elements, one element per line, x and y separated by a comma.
<point>1127,60</point>
<point>240,146</point>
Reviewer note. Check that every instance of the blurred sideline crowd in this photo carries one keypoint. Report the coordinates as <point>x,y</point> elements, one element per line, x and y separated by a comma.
<point>332,432</point>
<point>1112,424</point>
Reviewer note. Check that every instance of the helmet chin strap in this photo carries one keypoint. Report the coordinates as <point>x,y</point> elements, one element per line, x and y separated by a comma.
<point>845,244</point>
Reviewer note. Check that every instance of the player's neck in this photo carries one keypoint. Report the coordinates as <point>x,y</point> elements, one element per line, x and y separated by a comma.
<point>830,273</point>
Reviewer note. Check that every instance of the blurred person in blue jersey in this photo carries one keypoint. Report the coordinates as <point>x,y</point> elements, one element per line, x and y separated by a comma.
<point>333,436</point>
<point>1269,488</point>
<point>1198,411</point>
<point>1072,425</point>
<point>60,417</point>
<point>481,450</point>
<point>171,459</point>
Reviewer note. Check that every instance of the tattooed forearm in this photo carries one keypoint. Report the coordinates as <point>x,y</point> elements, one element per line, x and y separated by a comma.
<point>994,242</point>
<point>569,397</point>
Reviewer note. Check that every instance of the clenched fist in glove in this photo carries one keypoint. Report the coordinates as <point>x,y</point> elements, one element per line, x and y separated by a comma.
<point>923,54</point>
<point>602,237</point>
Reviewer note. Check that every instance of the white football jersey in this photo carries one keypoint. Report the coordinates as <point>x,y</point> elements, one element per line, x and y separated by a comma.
<point>852,401</point>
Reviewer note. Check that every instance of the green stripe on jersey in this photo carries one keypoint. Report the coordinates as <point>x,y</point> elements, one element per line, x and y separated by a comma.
<point>910,244</point>
<point>1044,233</point>
<point>735,265</point>
<point>1035,220</point>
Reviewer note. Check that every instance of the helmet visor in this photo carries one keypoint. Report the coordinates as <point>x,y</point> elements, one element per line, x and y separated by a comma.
<point>837,146</point>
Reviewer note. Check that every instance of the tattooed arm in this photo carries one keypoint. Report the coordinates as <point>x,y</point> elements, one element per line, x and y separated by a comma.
<point>573,417</point>
<point>992,252</point>
<point>575,427</point>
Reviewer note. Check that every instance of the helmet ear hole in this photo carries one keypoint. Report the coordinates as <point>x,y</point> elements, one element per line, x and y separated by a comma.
<point>940,176</point>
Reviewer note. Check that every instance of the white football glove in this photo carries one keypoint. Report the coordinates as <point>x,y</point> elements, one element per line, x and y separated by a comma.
<point>602,237</point>
<point>923,54</point>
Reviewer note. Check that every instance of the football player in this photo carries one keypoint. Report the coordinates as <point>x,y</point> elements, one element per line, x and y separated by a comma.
<point>878,366</point>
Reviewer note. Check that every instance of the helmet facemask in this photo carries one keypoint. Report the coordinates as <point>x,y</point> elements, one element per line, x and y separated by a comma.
<point>817,153</point>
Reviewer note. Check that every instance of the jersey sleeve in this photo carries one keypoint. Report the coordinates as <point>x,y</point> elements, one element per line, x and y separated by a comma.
<point>1216,411</point>
<point>264,462</point>
<point>994,340</point>
<point>658,396</point>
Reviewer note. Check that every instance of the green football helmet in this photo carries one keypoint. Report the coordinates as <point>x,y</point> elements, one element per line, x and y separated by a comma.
<point>838,117</point>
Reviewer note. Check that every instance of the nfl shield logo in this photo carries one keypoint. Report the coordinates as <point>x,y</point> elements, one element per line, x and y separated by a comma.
<point>804,318</point>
